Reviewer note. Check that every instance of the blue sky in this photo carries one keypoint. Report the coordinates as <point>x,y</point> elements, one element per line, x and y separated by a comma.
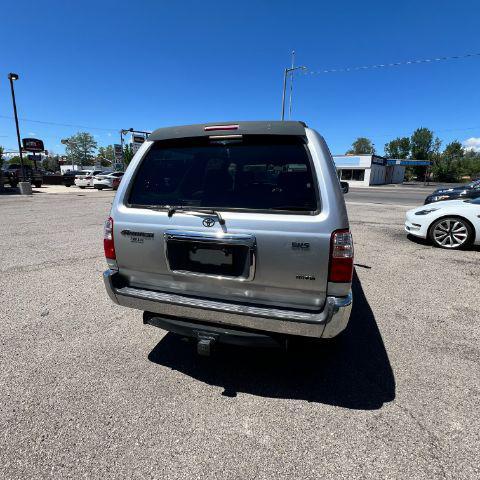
<point>147,64</point>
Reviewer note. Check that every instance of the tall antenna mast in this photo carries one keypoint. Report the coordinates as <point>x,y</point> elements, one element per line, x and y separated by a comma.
<point>291,86</point>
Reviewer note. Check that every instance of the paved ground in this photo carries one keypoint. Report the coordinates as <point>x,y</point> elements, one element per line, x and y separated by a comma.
<point>86,390</point>
<point>391,195</point>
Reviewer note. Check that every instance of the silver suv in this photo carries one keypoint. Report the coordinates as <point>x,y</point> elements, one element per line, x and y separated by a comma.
<point>232,232</point>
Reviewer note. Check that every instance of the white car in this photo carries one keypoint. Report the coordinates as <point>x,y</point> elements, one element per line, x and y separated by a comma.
<point>448,224</point>
<point>84,178</point>
<point>107,180</point>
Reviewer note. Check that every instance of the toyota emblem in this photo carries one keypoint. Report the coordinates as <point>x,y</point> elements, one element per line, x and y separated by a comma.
<point>209,222</point>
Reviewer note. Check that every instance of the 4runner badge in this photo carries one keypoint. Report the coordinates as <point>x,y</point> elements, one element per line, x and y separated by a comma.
<point>137,237</point>
<point>208,222</point>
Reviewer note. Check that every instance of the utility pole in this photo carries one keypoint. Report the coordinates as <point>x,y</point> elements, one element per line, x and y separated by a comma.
<point>12,77</point>
<point>286,72</point>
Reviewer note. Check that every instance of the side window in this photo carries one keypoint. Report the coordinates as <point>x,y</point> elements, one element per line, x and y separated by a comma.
<point>358,175</point>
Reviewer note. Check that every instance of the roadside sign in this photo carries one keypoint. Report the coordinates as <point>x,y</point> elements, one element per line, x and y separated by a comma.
<point>136,142</point>
<point>33,145</point>
<point>138,138</point>
<point>118,152</point>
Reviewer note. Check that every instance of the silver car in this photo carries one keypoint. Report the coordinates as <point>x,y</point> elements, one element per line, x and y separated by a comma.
<point>232,233</point>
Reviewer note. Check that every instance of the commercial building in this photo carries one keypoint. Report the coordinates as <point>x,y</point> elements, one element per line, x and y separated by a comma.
<point>366,170</point>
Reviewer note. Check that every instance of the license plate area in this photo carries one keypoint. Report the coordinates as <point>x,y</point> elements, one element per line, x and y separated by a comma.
<point>226,256</point>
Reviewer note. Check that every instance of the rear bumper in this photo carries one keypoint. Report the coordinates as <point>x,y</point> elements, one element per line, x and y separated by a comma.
<point>328,323</point>
<point>102,184</point>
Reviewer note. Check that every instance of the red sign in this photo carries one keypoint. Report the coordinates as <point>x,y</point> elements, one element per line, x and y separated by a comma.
<point>32,145</point>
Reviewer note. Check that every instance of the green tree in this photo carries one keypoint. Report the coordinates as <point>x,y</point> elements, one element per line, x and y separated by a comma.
<point>16,161</point>
<point>361,145</point>
<point>448,166</point>
<point>454,150</point>
<point>127,154</point>
<point>398,148</point>
<point>81,148</point>
<point>422,143</point>
<point>51,162</point>
<point>106,154</point>
<point>471,164</point>
<point>1,156</point>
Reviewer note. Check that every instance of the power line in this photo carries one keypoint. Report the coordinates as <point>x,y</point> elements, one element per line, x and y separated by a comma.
<point>394,64</point>
<point>59,124</point>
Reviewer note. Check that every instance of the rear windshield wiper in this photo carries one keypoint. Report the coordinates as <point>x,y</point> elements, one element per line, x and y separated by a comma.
<point>189,210</point>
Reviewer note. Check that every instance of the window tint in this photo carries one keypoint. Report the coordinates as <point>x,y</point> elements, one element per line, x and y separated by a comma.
<point>256,172</point>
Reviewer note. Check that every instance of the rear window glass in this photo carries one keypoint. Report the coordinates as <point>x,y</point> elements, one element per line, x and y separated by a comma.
<point>256,172</point>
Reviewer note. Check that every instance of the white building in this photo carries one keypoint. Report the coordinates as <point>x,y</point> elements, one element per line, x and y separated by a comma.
<point>366,170</point>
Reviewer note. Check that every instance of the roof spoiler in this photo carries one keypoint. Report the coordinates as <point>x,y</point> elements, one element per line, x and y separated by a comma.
<point>275,127</point>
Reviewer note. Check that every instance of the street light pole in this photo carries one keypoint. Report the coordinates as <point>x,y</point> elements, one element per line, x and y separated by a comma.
<point>12,77</point>
<point>285,74</point>
<point>284,91</point>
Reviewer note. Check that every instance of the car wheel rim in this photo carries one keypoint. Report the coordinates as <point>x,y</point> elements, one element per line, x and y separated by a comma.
<point>450,233</point>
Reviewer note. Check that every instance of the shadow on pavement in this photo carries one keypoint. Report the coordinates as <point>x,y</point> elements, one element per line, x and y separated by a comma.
<point>419,240</point>
<point>353,371</point>
<point>428,243</point>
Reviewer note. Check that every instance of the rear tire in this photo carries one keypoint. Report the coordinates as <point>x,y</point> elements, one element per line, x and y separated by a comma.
<point>14,184</point>
<point>451,232</point>
<point>82,188</point>
<point>38,184</point>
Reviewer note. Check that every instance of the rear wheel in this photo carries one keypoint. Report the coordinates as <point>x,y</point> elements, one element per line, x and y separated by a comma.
<point>38,184</point>
<point>81,187</point>
<point>451,232</point>
<point>13,184</point>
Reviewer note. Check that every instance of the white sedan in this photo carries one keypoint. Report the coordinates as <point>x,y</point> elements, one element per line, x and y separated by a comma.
<point>448,224</point>
<point>107,180</point>
<point>84,178</point>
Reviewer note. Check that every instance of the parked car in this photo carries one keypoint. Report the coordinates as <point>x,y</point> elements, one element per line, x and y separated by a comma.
<point>14,174</point>
<point>470,190</point>
<point>232,233</point>
<point>68,178</point>
<point>447,224</point>
<point>107,180</point>
<point>84,178</point>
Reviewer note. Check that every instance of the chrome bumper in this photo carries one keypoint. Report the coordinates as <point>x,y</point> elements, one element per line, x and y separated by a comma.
<point>327,323</point>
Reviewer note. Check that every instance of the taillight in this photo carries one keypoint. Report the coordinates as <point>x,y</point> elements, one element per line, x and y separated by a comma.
<point>108,243</point>
<point>88,178</point>
<point>341,257</point>
<point>212,128</point>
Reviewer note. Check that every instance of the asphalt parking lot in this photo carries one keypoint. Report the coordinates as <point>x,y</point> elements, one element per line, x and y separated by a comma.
<point>87,390</point>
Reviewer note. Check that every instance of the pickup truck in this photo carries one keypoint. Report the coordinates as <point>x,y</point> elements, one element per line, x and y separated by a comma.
<point>13,173</point>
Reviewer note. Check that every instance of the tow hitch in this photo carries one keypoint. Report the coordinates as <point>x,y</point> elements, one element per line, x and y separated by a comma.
<point>205,342</point>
